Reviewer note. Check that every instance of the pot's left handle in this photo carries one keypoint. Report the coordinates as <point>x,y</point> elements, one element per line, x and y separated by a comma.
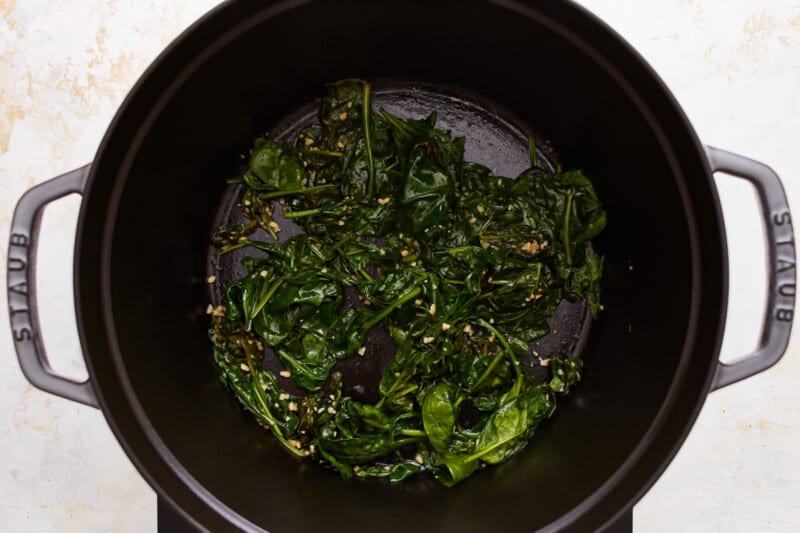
<point>22,288</point>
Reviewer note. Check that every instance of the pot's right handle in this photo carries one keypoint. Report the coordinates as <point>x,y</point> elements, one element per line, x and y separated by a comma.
<point>780,269</point>
<point>22,289</point>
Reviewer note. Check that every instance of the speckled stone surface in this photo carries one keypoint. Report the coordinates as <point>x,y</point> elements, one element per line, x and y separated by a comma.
<point>64,69</point>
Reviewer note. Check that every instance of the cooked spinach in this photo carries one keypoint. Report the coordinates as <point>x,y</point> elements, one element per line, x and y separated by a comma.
<point>460,267</point>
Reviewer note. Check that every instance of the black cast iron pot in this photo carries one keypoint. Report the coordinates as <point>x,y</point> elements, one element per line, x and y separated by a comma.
<point>152,194</point>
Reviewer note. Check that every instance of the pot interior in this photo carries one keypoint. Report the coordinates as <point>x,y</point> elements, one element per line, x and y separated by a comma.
<point>249,67</point>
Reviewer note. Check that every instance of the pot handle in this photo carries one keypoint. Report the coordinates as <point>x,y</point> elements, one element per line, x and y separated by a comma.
<point>22,288</point>
<point>780,269</point>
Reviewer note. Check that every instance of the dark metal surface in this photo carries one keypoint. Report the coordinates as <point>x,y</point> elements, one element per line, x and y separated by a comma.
<point>624,524</point>
<point>781,272</point>
<point>22,288</point>
<point>168,520</point>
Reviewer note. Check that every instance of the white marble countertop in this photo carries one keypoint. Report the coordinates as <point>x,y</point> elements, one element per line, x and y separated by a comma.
<point>64,69</point>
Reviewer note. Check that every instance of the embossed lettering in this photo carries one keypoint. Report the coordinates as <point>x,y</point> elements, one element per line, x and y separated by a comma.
<point>790,242</point>
<point>14,311</point>
<point>19,288</point>
<point>23,334</point>
<point>16,264</point>
<point>782,218</point>
<point>784,265</point>
<point>784,315</point>
<point>18,239</point>
<point>787,289</point>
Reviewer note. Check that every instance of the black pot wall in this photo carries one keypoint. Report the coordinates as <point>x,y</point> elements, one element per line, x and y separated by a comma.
<point>238,72</point>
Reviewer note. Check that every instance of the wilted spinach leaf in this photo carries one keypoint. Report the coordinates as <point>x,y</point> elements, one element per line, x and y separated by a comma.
<point>460,267</point>
<point>438,415</point>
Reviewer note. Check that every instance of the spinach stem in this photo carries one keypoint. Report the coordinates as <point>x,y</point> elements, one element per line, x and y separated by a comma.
<point>366,110</point>
<point>246,230</point>
<point>412,433</point>
<point>259,393</point>
<point>506,347</point>
<point>394,387</point>
<point>366,275</point>
<point>409,294</point>
<point>257,309</point>
<point>434,303</point>
<point>400,394</point>
<point>289,192</point>
<point>302,213</point>
<point>481,453</point>
<point>329,153</point>
<point>398,123</point>
<point>532,150</point>
<point>232,247</point>
<point>565,227</point>
<point>374,424</point>
<point>407,390</point>
<point>411,440</point>
<point>390,167</point>
<point>341,243</point>
<point>488,370</point>
<point>538,275</point>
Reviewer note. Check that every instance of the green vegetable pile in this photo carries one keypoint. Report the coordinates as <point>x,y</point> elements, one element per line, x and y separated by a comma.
<point>460,267</point>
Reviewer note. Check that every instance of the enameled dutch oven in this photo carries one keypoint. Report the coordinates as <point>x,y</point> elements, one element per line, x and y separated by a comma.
<point>154,190</point>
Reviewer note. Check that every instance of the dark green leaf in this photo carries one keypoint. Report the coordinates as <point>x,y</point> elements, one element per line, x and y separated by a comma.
<point>565,372</point>
<point>451,469</point>
<point>512,424</point>
<point>394,472</point>
<point>274,168</point>
<point>439,415</point>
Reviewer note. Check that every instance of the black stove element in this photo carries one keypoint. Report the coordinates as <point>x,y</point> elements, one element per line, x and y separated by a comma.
<point>171,521</point>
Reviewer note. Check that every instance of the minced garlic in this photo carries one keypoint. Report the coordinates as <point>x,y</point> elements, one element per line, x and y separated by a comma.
<point>531,247</point>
